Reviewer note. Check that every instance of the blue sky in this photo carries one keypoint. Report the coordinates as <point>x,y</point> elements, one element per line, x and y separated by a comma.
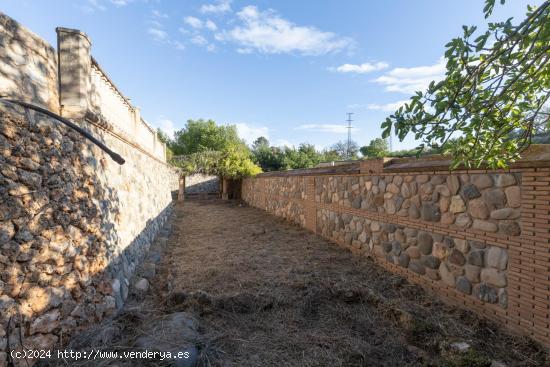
<point>288,70</point>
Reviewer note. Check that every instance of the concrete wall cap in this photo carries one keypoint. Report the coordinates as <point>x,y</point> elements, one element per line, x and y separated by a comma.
<point>60,30</point>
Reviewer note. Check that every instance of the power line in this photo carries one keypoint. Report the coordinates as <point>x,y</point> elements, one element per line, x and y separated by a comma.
<point>349,120</point>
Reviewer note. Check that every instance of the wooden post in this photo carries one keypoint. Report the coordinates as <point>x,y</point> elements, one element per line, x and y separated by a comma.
<point>181,192</point>
<point>225,195</point>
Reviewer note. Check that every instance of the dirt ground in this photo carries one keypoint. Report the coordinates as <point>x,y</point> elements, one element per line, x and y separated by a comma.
<point>267,293</point>
<point>272,294</point>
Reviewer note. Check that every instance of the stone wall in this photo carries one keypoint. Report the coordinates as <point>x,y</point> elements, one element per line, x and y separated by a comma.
<point>74,224</point>
<point>199,183</point>
<point>28,66</point>
<point>109,103</point>
<point>288,191</point>
<point>478,238</point>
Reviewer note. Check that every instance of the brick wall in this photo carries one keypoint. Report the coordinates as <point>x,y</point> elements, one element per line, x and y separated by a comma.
<point>478,238</point>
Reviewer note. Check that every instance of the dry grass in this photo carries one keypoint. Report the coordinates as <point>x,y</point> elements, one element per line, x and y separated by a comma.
<point>289,298</point>
<point>286,297</point>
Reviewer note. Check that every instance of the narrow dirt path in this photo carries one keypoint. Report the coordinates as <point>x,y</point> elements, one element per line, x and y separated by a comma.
<point>271,294</point>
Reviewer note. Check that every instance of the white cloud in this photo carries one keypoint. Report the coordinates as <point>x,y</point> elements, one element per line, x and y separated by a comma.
<point>388,107</point>
<point>167,126</point>
<point>324,128</point>
<point>222,6</point>
<point>157,34</point>
<point>92,5</point>
<point>211,25</point>
<point>120,2</point>
<point>245,51</point>
<point>362,68</point>
<point>158,14</point>
<point>193,22</point>
<point>178,45</point>
<point>267,32</point>
<point>410,80</point>
<point>250,133</point>
<point>211,48</point>
<point>283,143</point>
<point>199,40</point>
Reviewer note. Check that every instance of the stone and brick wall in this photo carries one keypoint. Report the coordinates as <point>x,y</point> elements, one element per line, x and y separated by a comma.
<point>74,225</point>
<point>478,238</point>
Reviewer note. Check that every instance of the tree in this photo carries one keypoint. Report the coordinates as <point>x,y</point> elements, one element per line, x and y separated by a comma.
<point>272,158</point>
<point>163,137</point>
<point>341,148</point>
<point>204,147</point>
<point>203,135</point>
<point>260,143</point>
<point>304,157</point>
<point>377,148</point>
<point>495,84</point>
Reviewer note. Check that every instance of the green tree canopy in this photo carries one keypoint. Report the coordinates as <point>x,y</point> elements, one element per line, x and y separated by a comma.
<point>377,148</point>
<point>204,135</point>
<point>495,88</point>
<point>205,147</point>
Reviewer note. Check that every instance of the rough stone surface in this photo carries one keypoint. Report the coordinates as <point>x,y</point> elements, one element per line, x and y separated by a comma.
<point>509,227</point>
<point>476,258</point>
<point>447,275</point>
<point>503,180</point>
<point>481,181</point>
<point>463,285</point>
<point>495,199</point>
<point>462,245</point>
<point>463,220</point>
<point>497,258</point>
<point>425,242</point>
<point>513,196</point>
<point>430,212</point>
<point>457,258</point>
<point>493,277</point>
<point>473,273</point>
<point>484,225</point>
<point>417,267</point>
<point>486,293</point>
<point>478,209</point>
<point>431,261</point>
<point>469,192</point>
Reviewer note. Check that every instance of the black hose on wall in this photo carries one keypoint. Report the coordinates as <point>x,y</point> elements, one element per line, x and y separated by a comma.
<point>116,157</point>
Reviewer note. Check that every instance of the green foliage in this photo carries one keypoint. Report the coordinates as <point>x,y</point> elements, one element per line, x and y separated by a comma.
<point>166,140</point>
<point>204,147</point>
<point>377,148</point>
<point>268,158</point>
<point>204,135</point>
<point>331,156</point>
<point>495,89</point>
<point>304,157</point>
<point>271,158</point>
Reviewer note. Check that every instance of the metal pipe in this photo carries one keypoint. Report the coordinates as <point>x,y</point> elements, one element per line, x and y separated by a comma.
<point>116,157</point>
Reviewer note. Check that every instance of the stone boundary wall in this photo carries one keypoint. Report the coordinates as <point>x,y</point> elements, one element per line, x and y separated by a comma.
<point>477,238</point>
<point>74,225</point>
<point>199,183</point>
<point>28,66</point>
